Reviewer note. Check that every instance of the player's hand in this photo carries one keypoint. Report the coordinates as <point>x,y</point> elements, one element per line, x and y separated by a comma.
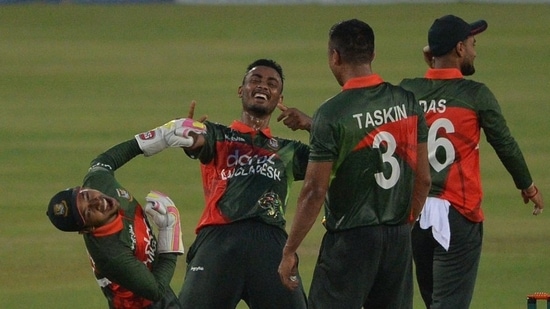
<point>294,118</point>
<point>428,56</point>
<point>533,194</point>
<point>288,271</point>
<point>175,133</point>
<point>191,112</point>
<point>162,211</point>
<point>157,209</point>
<point>188,128</point>
<point>198,138</point>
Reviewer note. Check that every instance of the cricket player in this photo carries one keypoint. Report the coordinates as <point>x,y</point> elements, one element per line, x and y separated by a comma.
<point>132,266</point>
<point>448,237</point>
<point>369,167</point>
<point>247,173</point>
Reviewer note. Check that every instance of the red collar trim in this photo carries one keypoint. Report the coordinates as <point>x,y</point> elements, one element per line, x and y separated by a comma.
<point>111,228</point>
<point>363,81</point>
<point>443,74</point>
<point>244,128</point>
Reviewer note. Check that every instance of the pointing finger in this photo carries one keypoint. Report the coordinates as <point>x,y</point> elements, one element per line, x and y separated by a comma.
<point>191,110</point>
<point>282,107</point>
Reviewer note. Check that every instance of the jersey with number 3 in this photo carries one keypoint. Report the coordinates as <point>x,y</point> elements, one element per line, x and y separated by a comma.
<point>370,131</point>
<point>456,110</point>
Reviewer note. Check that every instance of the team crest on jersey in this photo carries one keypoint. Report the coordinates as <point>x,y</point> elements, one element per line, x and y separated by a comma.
<point>273,143</point>
<point>271,202</point>
<point>123,193</point>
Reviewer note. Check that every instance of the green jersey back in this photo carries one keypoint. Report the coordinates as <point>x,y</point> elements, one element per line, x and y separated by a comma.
<point>456,110</point>
<point>370,132</point>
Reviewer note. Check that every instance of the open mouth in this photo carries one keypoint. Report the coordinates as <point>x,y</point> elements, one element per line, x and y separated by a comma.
<point>260,96</point>
<point>106,204</point>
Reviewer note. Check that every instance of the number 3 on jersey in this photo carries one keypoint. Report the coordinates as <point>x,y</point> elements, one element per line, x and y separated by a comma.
<point>387,157</point>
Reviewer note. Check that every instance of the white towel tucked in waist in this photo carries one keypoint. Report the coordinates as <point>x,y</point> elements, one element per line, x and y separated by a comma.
<point>436,215</point>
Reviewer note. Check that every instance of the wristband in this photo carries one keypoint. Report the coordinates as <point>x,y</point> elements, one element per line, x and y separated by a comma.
<point>532,195</point>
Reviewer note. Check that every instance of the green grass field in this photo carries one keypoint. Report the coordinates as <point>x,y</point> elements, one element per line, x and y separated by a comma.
<point>76,79</point>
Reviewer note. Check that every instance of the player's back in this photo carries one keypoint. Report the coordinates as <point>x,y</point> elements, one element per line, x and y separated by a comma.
<point>372,132</point>
<point>451,108</point>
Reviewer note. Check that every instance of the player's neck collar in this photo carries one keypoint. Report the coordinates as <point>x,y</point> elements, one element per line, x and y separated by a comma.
<point>363,81</point>
<point>246,129</point>
<point>448,73</point>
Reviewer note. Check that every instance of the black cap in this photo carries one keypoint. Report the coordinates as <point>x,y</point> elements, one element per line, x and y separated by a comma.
<point>63,212</point>
<point>448,30</point>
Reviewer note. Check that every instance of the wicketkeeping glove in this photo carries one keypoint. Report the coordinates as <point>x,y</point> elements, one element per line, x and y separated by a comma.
<point>161,210</point>
<point>172,134</point>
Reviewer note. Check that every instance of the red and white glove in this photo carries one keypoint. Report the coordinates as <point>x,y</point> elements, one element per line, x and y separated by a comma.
<point>162,211</point>
<point>175,133</point>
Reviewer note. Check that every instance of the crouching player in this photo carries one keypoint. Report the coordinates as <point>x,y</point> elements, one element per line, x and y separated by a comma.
<point>132,266</point>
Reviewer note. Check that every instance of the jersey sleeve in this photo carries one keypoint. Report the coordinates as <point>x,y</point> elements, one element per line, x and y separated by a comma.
<point>301,157</point>
<point>119,265</point>
<point>101,175</point>
<point>499,137</point>
<point>205,153</point>
<point>422,126</point>
<point>116,156</point>
<point>323,141</point>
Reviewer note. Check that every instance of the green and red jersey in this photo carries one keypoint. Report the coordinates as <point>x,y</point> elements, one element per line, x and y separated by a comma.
<point>456,110</point>
<point>123,253</point>
<point>247,174</point>
<point>370,131</point>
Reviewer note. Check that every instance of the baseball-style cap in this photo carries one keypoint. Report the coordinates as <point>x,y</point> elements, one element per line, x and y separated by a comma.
<point>63,212</point>
<point>448,30</point>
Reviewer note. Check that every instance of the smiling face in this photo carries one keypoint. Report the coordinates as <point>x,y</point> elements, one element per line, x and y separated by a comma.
<point>96,208</point>
<point>261,91</point>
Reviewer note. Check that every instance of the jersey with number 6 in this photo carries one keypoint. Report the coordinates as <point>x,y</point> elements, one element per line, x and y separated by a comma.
<point>370,131</point>
<point>456,110</point>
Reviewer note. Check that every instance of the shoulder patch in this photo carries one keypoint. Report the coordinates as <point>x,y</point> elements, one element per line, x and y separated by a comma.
<point>273,143</point>
<point>123,193</point>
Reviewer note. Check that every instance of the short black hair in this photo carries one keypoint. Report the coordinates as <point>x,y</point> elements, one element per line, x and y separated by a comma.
<point>353,39</point>
<point>267,63</point>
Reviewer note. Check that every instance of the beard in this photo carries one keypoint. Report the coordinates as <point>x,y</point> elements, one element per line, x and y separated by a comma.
<point>257,110</point>
<point>467,69</point>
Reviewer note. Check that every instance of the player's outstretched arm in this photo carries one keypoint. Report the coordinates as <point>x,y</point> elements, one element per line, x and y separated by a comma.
<point>176,133</point>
